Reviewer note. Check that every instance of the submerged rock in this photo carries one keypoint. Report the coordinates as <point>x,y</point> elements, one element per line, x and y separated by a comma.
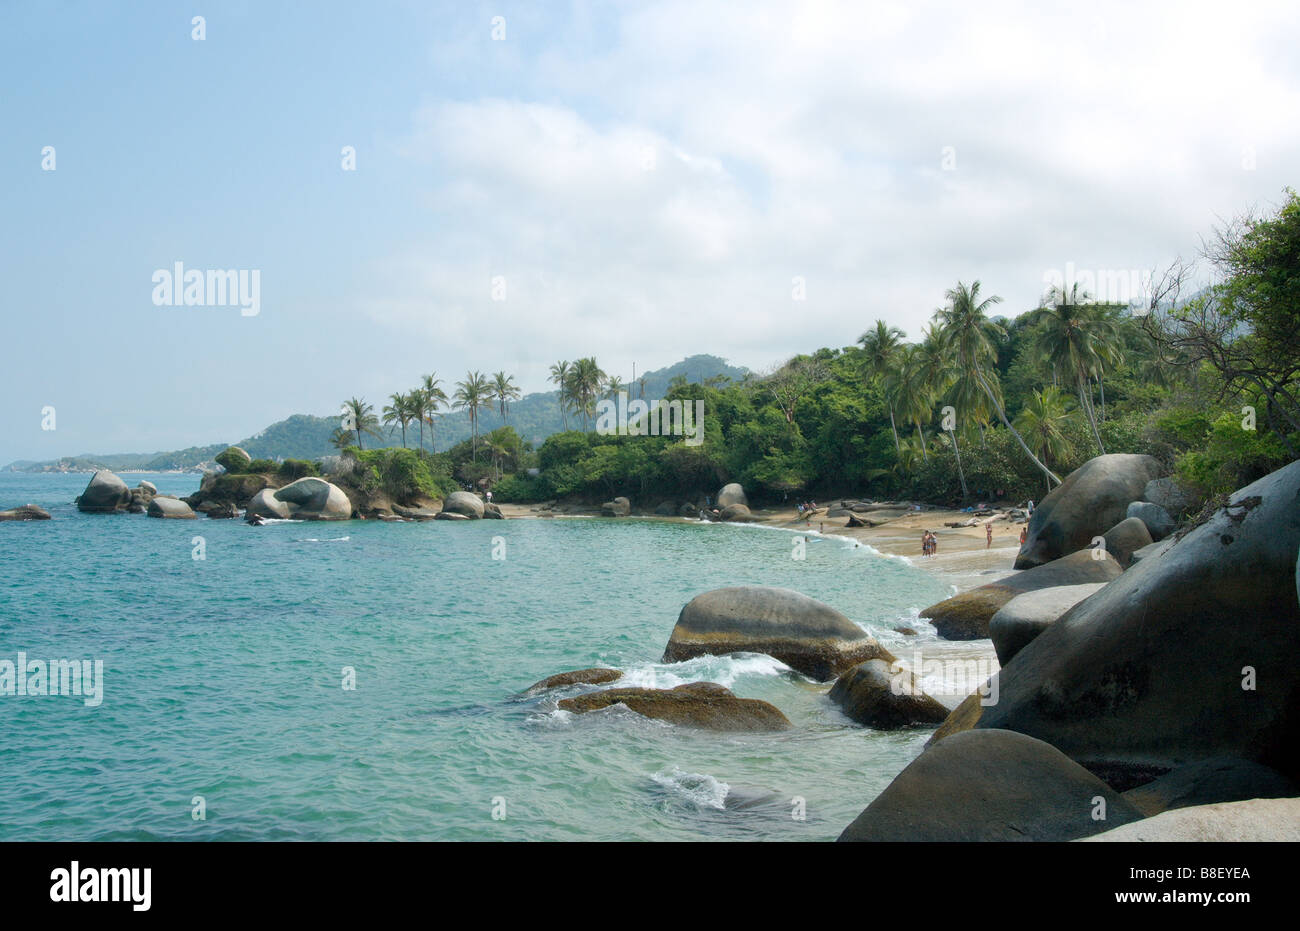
<point>596,675</point>
<point>991,786</point>
<point>801,632</point>
<point>1092,499</point>
<point>167,507</point>
<point>25,512</point>
<point>966,616</point>
<point>885,696</point>
<point>696,704</point>
<point>106,494</point>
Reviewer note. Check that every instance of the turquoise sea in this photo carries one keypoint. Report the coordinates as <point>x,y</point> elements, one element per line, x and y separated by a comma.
<point>223,679</point>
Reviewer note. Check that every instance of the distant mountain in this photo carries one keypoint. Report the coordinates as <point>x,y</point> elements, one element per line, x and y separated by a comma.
<point>302,436</point>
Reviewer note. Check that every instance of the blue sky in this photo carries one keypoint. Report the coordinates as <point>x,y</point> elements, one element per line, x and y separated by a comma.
<point>647,179</point>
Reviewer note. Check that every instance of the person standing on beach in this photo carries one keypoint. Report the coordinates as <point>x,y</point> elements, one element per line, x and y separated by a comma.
<point>988,533</point>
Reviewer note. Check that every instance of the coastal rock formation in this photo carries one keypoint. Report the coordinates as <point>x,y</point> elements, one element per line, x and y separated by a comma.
<point>265,504</point>
<point>733,493</point>
<point>25,512</point>
<point>1126,538</point>
<point>1191,655</point>
<point>688,510</point>
<point>465,503</point>
<point>315,499</point>
<point>805,634</point>
<point>1092,499</point>
<point>619,507</point>
<point>665,509</point>
<point>170,508</point>
<point>696,704</point>
<point>492,512</point>
<point>219,488</point>
<point>1257,820</point>
<point>991,786</point>
<point>1152,551</point>
<point>414,513</point>
<point>596,675</point>
<point>966,616</point>
<point>885,696</point>
<point>141,495</point>
<point>736,512</point>
<point>1026,616</point>
<point>106,494</point>
<point>1157,519</point>
<point>223,511</point>
<point>1223,779</point>
<point>233,459</point>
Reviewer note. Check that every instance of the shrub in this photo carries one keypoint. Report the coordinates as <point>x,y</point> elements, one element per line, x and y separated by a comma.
<point>294,469</point>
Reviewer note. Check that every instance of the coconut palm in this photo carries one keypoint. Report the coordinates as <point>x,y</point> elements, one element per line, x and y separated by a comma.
<point>1043,420</point>
<point>915,397</point>
<point>967,327</point>
<point>560,378</point>
<point>432,397</point>
<point>614,386</point>
<point>881,347</point>
<point>503,390</point>
<point>585,381</point>
<point>473,396</point>
<point>360,418</point>
<point>400,410</point>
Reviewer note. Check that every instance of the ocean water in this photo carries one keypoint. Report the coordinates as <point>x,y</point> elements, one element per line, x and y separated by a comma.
<point>223,679</point>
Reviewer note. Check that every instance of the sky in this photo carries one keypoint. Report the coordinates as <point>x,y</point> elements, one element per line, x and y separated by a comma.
<point>543,181</point>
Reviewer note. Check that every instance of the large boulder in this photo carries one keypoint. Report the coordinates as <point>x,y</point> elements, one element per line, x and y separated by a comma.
<point>619,507</point>
<point>695,704</point>
<point>266,505</point>
<point>736,512</point>
<point>1126,538</point>
<point>1158,522</point>
<point>315,499</point>
<point>234,459</point>
<point>991,786</point>
<point>165,506</point>
<point>106,494</point>
<point>1169,495</point>
<point>733,493</point>
<point>1223,779</point>
<point>25,512</point>
<point>1191,655</point>
<point>1092,499</point>
<point>966,616</point>
<point>464,503</point>
<point>1256,820</point>
<point>801,632</point>
<point>1026,616</point>
<point>885,696</point>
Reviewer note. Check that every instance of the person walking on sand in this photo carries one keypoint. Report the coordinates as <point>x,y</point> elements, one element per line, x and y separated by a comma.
<point>988,533</point>
<point>1024,535</point>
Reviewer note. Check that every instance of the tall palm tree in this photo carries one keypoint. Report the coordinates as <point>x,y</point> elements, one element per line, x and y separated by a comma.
<point>1043,420</point>
<point>503,390</point>
<point>361,418</point>
<point>401,411</point>
<point>613,386</point>
<point>473,396</point>
<point>915,397</point>
<point>1078,338</point>
<point>967,326</point>
<point>432,397</point>
<point>585,381</point>
<point>560,378</point>
<point>882,346</point>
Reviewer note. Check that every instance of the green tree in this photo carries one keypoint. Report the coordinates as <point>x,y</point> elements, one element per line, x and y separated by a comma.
<point>359,417</point>
<point>473,395</point>
<point>1044,420</point>
<point>503,390</point>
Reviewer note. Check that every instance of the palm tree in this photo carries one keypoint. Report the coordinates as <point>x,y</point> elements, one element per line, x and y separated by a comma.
<point>400,411</point>
<point>360,418</point>
<point>473,396</point>
<point>915,397</point>
<point>1078,338</point>
<point>614,386</point>
<point>1043,419</point>
<point>967,327</point>
<point>432,397</point>
<point>560,377</point>
<point>585,381</point>
<point>881,347</point>
<point>503,390</point>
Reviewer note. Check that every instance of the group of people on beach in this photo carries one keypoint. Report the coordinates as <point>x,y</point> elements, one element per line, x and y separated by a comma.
<point>929,543</point>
